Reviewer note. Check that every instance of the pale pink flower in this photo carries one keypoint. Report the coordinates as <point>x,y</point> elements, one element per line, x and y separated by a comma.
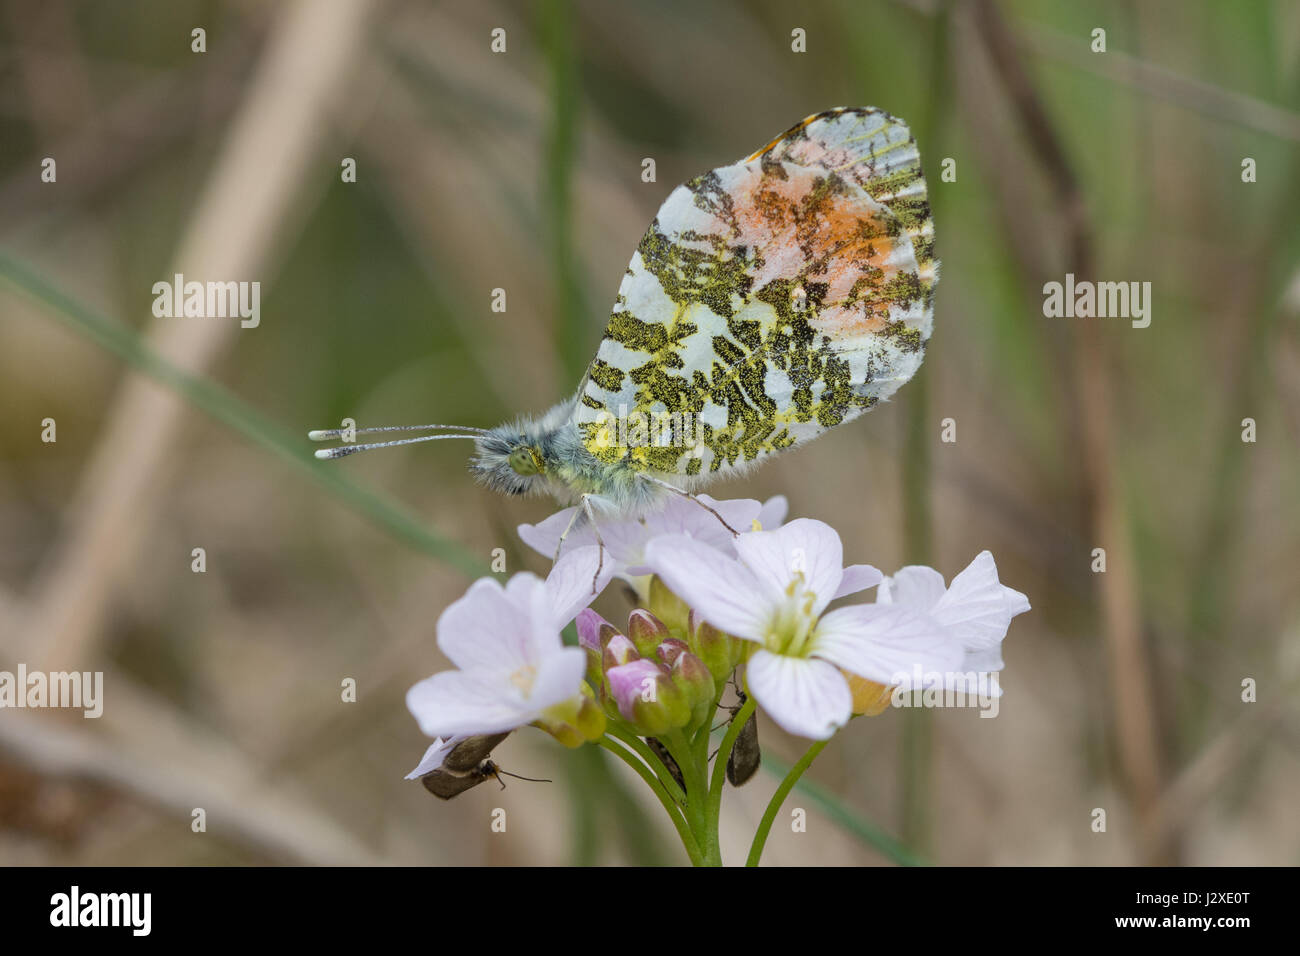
<point>774,593</point>
<point>975,610</point>
<point>511,664</point>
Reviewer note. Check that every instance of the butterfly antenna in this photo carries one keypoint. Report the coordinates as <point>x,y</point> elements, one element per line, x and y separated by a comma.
<point>335,434</point>
<point>518,777</point>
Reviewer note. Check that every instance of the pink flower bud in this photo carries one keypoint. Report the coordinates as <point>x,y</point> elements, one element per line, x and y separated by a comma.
<point>647,697</point>
<point>646,631</point>
<point>618,651</point>
<point>670,650</point>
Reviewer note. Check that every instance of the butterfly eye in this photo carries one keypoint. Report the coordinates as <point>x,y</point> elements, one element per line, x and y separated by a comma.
<point>521,462</point>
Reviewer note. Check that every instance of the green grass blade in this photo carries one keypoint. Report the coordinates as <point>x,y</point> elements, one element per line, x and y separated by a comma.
<point>862,829</point>
<point>231,411</point>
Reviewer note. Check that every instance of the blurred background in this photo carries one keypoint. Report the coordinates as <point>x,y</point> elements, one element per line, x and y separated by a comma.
<point>521,170</point>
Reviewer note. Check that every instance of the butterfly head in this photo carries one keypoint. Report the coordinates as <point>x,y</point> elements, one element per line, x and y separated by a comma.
<point>515,459</point>
<point>511,459</point>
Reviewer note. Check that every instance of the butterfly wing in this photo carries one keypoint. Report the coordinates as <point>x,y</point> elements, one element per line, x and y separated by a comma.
<point>878,152</point>
<point>769,301</point>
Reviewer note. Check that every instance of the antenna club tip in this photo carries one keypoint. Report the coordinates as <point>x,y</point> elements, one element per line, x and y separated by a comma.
<point>325,454</point>
<point>318,434</point>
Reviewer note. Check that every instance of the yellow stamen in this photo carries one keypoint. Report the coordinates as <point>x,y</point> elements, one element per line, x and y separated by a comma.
<point>524,678</point>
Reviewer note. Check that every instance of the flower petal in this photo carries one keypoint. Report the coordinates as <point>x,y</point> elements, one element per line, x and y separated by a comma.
<point>803,695</point>
<point>978,676</point>
<point>433,757</point>
<point>488,628</point>
<point>559,677</point>
<point>544,537</point>
<point>719,588</point>
<point>462,703</point>
<point>885,643</point>
<point>570,583</point>
<point>589,623</point>
<point>624,538</point>
<point>915,586</point>
<point>773,512</point>
<point>858,577</point>
<point>802,546</point>
<point>681,515</point>
<point>976,608</point>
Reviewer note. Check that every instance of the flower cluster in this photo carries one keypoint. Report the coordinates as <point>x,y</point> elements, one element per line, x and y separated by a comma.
<point>712,606</point>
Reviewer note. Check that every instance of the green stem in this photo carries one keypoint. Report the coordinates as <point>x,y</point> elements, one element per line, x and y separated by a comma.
<point>714,811</point>
<point>778,798</point>
<point>670,807</point>
<point>696,793</point>
<point>650,757</point>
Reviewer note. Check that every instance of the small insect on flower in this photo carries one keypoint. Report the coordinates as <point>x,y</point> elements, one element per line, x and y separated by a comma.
<point>769,301</point>
<point>445,784</point>
<point>745,757</point>
<point>669,762</point>
<point>462,765</point>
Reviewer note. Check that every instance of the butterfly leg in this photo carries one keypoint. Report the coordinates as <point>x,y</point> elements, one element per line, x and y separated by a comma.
<point>600,560</point>
<point>584,508</point>
<point>577,513</point>
<point>687,494</point>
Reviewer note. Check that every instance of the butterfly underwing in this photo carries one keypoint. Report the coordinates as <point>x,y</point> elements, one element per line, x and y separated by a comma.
<point>745,756</point>
<point>769,301</point>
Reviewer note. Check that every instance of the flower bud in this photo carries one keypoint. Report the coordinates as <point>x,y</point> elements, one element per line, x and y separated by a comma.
<point>869,698</point>
<point>719,652</point>
<point>590,626</point>
<point>646,631</point>
<point>618,651</point>
<point>575,721</point>
<point>647,697</point>
<point>591,719</point>
<point>667,606</point>
<point>670,650</point>
<point>696,684</point>
<point>595,673</point>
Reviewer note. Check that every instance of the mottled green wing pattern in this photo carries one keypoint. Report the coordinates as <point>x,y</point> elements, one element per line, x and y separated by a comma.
<point>769,301</point>
<point>878,152</point>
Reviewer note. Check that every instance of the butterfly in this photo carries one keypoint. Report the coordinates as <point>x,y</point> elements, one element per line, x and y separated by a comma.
<point>769,301</point>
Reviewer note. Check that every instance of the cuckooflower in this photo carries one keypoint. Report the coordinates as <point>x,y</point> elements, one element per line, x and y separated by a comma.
<point>774,595</point>
<point>626,538</point>
<point>975,610</point>
<point>772,515</point>
<point>512,667</point>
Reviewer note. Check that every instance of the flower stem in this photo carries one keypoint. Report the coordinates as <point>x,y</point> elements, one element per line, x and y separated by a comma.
<point>714,810</point>
<point>697,793</point>
<point>778,798</point>
<point>670,807</point>
<point>650,757</point>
